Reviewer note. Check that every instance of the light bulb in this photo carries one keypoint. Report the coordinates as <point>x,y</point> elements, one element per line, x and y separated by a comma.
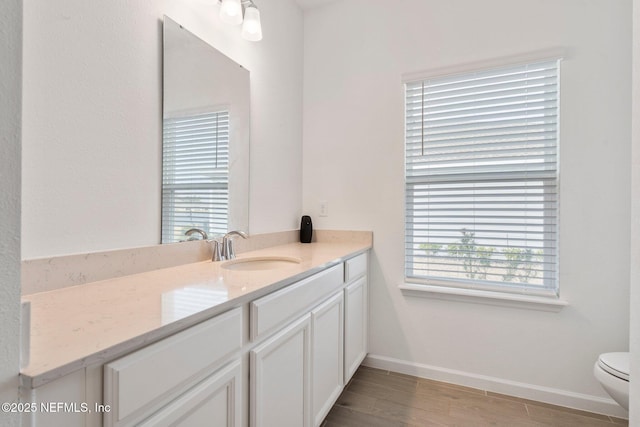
<point>231,12</point>
<point>251,28</point>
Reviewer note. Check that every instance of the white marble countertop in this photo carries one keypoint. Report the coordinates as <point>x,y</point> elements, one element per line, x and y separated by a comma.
<point>79,326</point>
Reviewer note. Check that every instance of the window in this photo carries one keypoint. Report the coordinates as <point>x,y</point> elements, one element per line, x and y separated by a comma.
<point>195,174</point>
<point>481,173</point>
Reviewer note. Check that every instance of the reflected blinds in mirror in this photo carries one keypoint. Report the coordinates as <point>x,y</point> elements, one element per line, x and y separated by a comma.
<point>195,174</point>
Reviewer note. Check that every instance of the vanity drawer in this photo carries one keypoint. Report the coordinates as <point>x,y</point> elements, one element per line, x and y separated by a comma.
<point>274,310</point>
<point>355,267</point>
<point>140,382</point>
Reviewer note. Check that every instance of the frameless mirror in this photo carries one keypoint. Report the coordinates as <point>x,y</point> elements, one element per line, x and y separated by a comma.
<point>205,165</point>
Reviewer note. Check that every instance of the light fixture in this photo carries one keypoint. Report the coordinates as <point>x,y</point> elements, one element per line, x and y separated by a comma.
<point>232,11</point>
<point>251,28</point>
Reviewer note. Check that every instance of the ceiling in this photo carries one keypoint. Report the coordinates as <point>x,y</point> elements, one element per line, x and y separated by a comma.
<point>310,4</point>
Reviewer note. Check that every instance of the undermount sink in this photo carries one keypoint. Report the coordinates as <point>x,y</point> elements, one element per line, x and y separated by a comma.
<point>260,263</point>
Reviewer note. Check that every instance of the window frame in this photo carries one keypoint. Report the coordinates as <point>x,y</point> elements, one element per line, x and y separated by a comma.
<point>476,287</point>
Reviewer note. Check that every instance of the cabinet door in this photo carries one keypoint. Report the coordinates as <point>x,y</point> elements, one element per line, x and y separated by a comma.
<point>214,402</point>
<point>280,375</point>
<point>58,403</point>
<point>355,326</point>
<point>326,356</point>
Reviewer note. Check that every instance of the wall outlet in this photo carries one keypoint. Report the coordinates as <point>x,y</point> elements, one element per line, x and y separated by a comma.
<point>324,208</point>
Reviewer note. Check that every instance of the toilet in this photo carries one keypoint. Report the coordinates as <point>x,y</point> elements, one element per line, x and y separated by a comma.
<point>612,370</point>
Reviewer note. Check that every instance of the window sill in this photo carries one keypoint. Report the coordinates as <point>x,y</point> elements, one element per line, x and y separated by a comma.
<point>529,302</point>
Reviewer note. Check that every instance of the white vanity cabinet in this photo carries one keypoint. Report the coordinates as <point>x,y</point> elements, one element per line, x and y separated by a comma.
<point>279,360</point>
<point>181,379</point>
<point>356,316</point>
<point>297,375</point>
<point>316,333</point>
<point>46,403</point>
<point>214,402</point>
<point>327,343</point>
<point>281,379</point>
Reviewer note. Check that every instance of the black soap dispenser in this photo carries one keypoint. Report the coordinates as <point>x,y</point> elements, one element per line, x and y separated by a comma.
<point>306,229</point>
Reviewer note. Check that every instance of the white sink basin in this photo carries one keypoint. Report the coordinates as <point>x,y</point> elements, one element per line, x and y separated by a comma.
<point>260,263</point>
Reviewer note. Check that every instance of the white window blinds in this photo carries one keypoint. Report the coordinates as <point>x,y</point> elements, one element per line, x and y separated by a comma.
<point>482,179</point>
<point>195,174</point>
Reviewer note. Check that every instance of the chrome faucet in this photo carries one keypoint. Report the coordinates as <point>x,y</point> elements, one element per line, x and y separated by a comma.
<point>227,244</point>
<point>196,230</point>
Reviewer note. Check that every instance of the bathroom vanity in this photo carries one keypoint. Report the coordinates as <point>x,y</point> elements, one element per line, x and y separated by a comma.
<point>203,344</point>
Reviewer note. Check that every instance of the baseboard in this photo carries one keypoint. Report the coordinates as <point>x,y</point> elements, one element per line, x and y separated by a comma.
<point>549,395</point>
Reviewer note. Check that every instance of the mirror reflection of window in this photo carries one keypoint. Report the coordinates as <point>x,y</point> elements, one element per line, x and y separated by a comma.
<point>181,303</point>
<point>206,138</point>
<point>195,171</point>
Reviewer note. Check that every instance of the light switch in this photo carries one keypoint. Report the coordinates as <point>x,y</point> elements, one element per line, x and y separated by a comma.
<point>324,208</point>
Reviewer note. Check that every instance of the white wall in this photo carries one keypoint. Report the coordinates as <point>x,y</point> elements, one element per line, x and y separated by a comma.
<point>92,118</point>
<point>634,410</point>
<point>355,52</point>
<point>10,91</point>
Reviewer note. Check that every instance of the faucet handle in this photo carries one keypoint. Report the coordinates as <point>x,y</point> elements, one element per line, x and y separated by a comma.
<point>217,250</point>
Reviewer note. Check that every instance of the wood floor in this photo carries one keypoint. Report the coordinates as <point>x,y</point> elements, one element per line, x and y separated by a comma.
<point>386,399</point>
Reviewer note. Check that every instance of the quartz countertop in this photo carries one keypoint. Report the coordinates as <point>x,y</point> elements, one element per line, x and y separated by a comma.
<point>93,323</point>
